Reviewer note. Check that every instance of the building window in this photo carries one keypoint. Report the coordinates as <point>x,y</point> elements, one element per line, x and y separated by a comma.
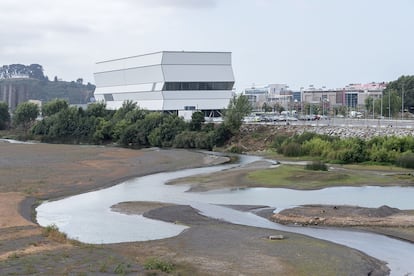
<point>173,86</point>
<point>108,97</point>
<point>351,99</point>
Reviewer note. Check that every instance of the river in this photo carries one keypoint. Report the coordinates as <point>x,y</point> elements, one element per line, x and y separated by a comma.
<point>88,218</point>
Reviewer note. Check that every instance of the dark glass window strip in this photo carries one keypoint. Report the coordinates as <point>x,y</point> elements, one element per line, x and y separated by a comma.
<point>108,97</point>
<point>172,86</point>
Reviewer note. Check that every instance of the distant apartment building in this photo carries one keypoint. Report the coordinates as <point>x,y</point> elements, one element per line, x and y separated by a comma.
<point>352,96</point>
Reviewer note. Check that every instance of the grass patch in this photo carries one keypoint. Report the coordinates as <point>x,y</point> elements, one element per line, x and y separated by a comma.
<point>122,268</point>
<point>297,177</point>
<point>316,166</point>
<point>157,264</point>
<point>52,232</point>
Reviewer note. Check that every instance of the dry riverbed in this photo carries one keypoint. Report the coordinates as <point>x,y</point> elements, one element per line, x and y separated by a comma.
<point>30,173</point>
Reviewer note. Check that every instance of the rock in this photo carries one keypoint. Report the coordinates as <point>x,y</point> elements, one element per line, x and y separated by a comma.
<point>276,237</point>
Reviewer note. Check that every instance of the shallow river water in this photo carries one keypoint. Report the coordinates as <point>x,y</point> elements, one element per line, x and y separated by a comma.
<point>88,218</point>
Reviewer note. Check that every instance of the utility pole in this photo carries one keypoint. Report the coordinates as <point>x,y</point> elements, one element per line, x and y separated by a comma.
<point>389,105</point>
<point>373,115</point>
<point>402,102</point>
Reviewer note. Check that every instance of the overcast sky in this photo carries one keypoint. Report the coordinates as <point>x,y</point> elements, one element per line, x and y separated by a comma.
<point>297,42</point>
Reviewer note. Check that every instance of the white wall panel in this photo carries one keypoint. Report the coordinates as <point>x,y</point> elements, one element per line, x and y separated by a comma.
<point>148,74</point>
<point>124,88</point>
<point>109,78</point>
<point>148,104</point>
<point>138,96</point>
<point>113,105</point>
<point>198,73</point>
<point>158,86</point>
<point>130,62</point>
<point>144,60</point>
<point>109,66</point>
<point>99,98</point>
<point>200,104</point>
<point>151,105</point>
<point>196,58</point>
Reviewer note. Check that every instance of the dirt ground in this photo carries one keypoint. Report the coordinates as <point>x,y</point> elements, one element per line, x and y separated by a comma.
<point>220,248</point>
<point>389,221</point>
<point>30,173</point>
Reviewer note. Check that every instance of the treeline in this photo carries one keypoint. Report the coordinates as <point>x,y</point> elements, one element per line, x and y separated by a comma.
<point>34,71</point>
<point>381,149</point>
<point>28,82</point>
<point>75,92</point>
<point>129,126</point>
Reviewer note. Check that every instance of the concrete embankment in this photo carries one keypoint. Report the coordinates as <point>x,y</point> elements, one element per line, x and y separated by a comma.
<point>363,132</point>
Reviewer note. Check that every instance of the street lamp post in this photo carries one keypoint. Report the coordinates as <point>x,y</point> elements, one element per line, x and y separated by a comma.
<point>402,102</point>
<point>373,115</point>
<point>389,105</point>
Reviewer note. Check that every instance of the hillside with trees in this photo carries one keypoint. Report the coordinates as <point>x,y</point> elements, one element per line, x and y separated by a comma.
<point>20,83</point>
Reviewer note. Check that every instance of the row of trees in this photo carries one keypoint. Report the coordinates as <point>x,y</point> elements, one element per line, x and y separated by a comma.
<point>391,150</point>
<point>34,71</point>
<point>128,126</point>
<point>397,97</point>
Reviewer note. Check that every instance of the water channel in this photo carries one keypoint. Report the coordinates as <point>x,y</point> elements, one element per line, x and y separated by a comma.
<point>88,218</point>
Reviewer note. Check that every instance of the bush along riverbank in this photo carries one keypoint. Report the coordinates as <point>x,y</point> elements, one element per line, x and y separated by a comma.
<point>305,142</point>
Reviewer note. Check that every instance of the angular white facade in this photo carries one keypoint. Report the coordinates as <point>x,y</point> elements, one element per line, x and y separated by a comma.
<point>167,81</point>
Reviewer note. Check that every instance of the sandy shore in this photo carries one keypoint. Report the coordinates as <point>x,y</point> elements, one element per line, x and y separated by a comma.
<point>30,173</point>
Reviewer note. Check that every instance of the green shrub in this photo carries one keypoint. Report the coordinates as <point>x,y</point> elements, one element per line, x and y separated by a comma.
<point>279,140</point>
<point>406,160</point>
<point>316,166</point>
<point>381,155</point>
<point>306,136</point>
<point>291,149</point>
<point>157,264</point>
<point>194,139</point>
<point>236,149</point>
<point>122,268</point>
<point>351,150</point>
<point>316,147</point>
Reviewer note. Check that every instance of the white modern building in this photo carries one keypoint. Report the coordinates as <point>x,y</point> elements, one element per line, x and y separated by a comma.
<point>171,81</point>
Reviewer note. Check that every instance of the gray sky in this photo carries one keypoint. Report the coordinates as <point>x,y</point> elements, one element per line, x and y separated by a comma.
<point>298,42</point>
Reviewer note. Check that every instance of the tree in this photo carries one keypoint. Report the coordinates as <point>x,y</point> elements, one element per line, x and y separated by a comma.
<point>238,108</point>
<point>164,134</point>
<point>25,115</point>
<point>391,102</point>
<point>36,71</point>
<point>197,120</point>
<point>97,110</point>
<point>4,115</point>
<point>406,84</point>
<point>369,105</point>
<point>54,107</point>
<point>266,107</point>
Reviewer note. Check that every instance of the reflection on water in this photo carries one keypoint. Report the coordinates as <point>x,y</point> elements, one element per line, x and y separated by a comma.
<point>87,217</point>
